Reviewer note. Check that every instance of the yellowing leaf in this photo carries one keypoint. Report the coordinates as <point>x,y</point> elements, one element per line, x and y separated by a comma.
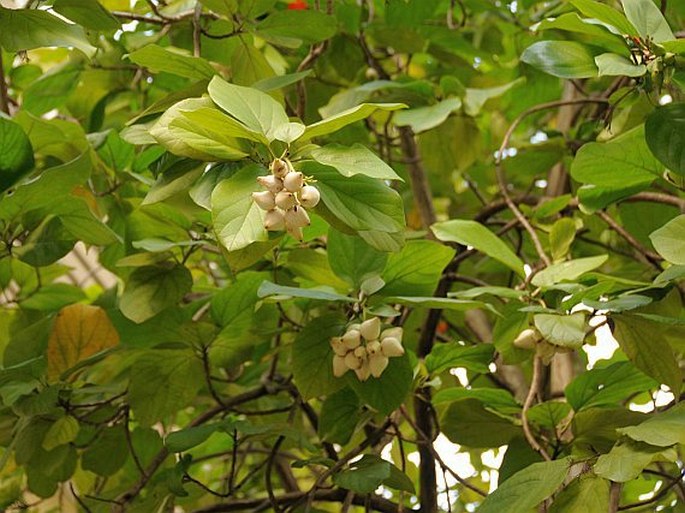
<point>79,331</point>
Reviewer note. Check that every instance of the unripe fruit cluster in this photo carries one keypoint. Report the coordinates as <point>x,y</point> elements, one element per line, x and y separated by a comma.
<point>285,199</point>
<point>532,339</point>
<point>365,349</point>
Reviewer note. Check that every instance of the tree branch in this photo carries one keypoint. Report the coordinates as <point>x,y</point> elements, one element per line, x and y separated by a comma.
<point>534,390</point>
<point>4,97</point>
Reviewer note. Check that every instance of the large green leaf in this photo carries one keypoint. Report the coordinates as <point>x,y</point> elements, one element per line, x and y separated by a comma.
<point>425,118</point>
<point>269,289</point>
<point>340,414</point>
<point>291,28</point>
<point>368,473</point>
<point>162,382</point>
<point>416,269</point>
<point>669,240</point>
<point>567,271</point>
<point>467,422</point>
<point>16,153</point>
<point>527,488</point>
<point>562,330</point>
<point>626,461</point>
<point>605,14</point>
<point>388,392</point>
<point>353,259</point>
<point>622,162</point>
<point>354,160</point>
<point>648,20</point>
<point>665,135</point>
<point>26,29</point>
<point>158,59</point>
<point>238,221</point>
<point>648,349</point>
<point>257,110</point>
<point>472,233</point>
<point>236,299</point>
<point>587,494</point>
<point>149,290</point>
<point>475,99</point>
<point>442,303</point>
<point>563,59</point>
<point>346,117</point>
<point>614,65</point>
<point>87,13</point>
<point>447,356</point>
<point>599,34</point>
<point>663,430</point>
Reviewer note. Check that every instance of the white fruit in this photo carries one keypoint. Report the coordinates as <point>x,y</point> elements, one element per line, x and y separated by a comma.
<point>293,181</point>
<point>373,348</point>
<point>297,217</point>
<point>391,347</point>
<point>285,200</point>
<point>371,328</point>
<point>527,339</point>
<point>338,346</point>
<point>264,200</point>
<point>274,220</point>
<point>360,352</point>
<point>364,371</point>
<point>351,339</point>
<point>296,233</point>
<point>377,364</point>
<point>396,332</point>
<point>352,361</point>
<point>355,326</point>
<point>339,366</point>
<point>270,183</point>
<point>279,168</point>
<point>310,196</point>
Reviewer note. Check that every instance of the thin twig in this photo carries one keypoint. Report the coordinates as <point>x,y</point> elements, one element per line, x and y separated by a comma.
<point>654,259</point>
<point>4,97</point>
<point>532,392</point>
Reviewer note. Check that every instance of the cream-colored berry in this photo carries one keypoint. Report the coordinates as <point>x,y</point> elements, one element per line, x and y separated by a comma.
<point>296,233</point>
<point>373,347</point>
<point>297,217</point>
<point>352,361</point>
<point>285,200</point>
<point>279,168</point>
<point>352,339</point>
<point>377,364</point>
<point>371,328</point>
<point>293,181</point>
<point>391,347</point>
<point>338,346</point>
<point>395,332</point>
<point>527,339</point>
<point>274,220</point>
<point>264,200</point>
<point>364,371</point>
<point>310,196</point>
<point>340,367</point>
<point>271,183</point>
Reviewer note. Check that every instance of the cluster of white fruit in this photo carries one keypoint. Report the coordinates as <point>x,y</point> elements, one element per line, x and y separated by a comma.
<point>365,349</point>
<point>286,199</point>
<point>531,339</point>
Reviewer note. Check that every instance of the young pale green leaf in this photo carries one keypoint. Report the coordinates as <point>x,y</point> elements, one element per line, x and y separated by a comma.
<point>346,117</point>
<point>648,20</point>
<point>216,125</point>
<point>280,292</point>
<point>626,461</point>
<point>238,221</point>
<point>257,110</point>
<point>450,355</point>
<point>600,34</point>
<point>561,237</point>
<point>607,386</point>
<point>279,82</point>
<point>562,330</point>
<point>416,269</point>
<point>619,163</point>
<point>614,65</point>
<point>472,233</point>
<point>16,153</point>
<point>288,132</point>
<point>163,382</point>
<point>669,240</point>
<point>475,99</point>
<point>563,59</point>
<point>167,60</point>
<point>527,488</point>
<point>63,431</point>
<point>606,14</point>
<point>425,118</point>
<point>645,345</point>
<point>26,29</point>
<point>87,13</point>
<point>354,160</point>
<point>151,289</point>
<point>587,494</point>
<point>352,259</point>
<point>665,135</point>
<point>567,271</point>
<point>663,430</point>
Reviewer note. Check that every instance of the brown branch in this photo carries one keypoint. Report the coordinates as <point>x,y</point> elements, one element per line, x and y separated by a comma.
<point>651,257</point>
<point>656,197</point>
<point>423,198</point>
<point>4,97</point>
<point>659,495</point>
<point>532,392</point>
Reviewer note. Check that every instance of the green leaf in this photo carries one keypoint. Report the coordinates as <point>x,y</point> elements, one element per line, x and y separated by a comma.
<point>238,221</point>
<point>494,398</point>
<point>255,109</point>
<point>663,429</point>
<point>184,439</point>
<point>236,299</point>
<point>443,303</point>
<point>279,82</point>
<point>626,461</point>
<point>387,393</point>
<point>51,90</point>
<point>527,488</point>
<point>288,132</point>
<point>151,289</point>
<point>665,136</point>
<point>567,271</point>
<point>620,163</point>
<point>346,117</point>
<point>472,233</point>
<point>425,118</point>
<point>648,20</point>
<point>416,269</point>
<point>269,289</point>
<point>608,386</point>
<point>340,414</point>
<point>26,29</point>
<point>467,422</point>
<point>587,494</point>
<point>562,330</point>
<point>561,237</point>
<point>312,266</point>
<point>613,65</point>
<point>669,240</point>
<point>53,296</point>
<point>46,244</point>
<point>606,14</point>
<point>16,153</point>
<point>163,382</point>
<point>549,414</point>
<point>167,60</point>
<point>87,13</point>
<point>354,160</point>
<point>599,34</point>
<point>108,453</point>
<point>447,356</point>
<point>62,432</point>
<point>353,259</point>
<point>176,178</point>
<point>475,99</point>
<point>363,476</point>
<point>643,344</point>
<point>312,357</point>
<point>360,202</point>
<point>563,59</point>
<point>290,28</point>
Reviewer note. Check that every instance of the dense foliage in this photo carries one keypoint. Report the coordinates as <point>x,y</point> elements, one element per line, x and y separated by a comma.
<point>258,255</point>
